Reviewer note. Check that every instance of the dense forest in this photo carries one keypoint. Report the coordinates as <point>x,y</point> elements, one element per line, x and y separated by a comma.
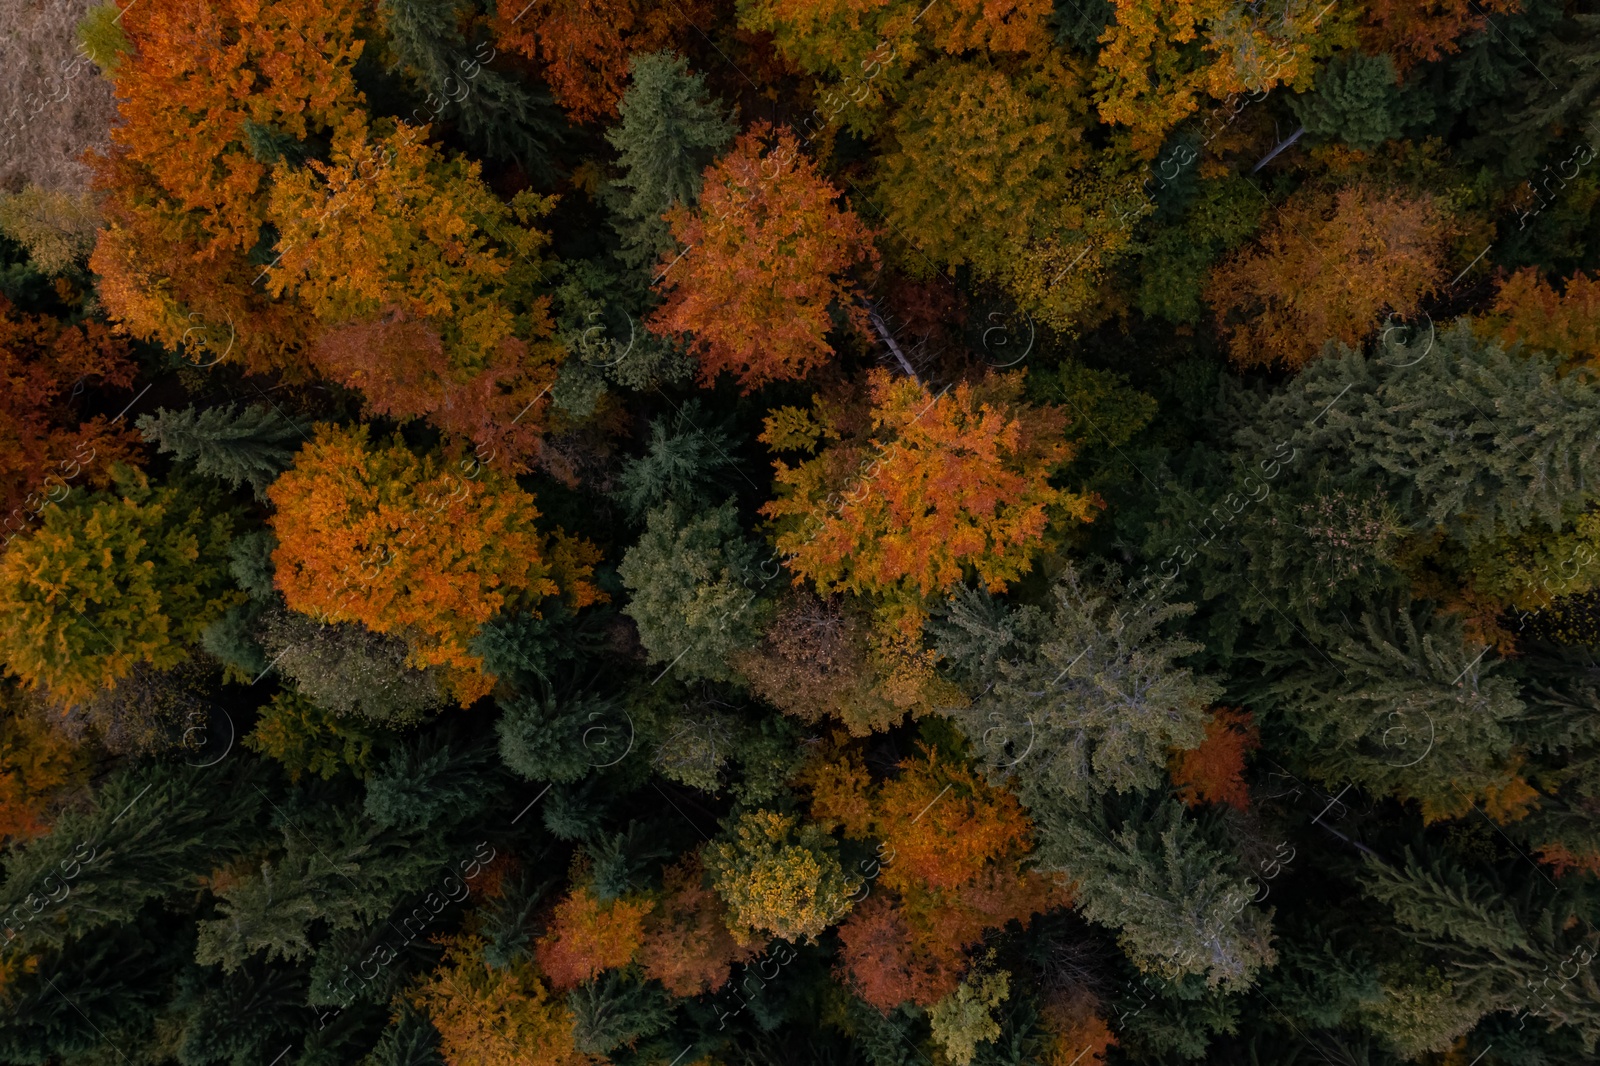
<point>800,532</point>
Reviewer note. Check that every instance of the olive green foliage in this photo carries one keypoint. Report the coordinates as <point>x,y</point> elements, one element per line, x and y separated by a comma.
<point>965,1018</point>
<point>1090,693</point>
<point>348,669</point>
<point>110,582</point>
<point>689,580</point>
<point>778,876</point>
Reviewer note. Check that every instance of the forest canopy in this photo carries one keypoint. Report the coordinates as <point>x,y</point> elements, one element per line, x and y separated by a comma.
<point>800,533</point>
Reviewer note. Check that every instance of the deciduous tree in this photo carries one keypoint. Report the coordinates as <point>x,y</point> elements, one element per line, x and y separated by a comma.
<point>1328,269</point>
<point>990,170</point>
<point>37,764</point>
<point>1214,771</point>
<point>44,444</point>
<point>425,279</point>
<point>109,582</point>
<point>489,1016</point>
<point>936,488</point>
<point>1159,59</point>
<point>778,877</point>
<point>768,264</point>
<point>1527,308</point>
<point>687,945</point>
<point>588,936</point>
<point>392,540</point>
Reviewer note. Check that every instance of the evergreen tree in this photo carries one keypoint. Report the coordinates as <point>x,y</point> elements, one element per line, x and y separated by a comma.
<point>1468,436</point>
<point>501,117</point>
<point>689,580</point>
<point>410,1040</point>
<point>610,1011</point>
<point>557,739</point>
<point>149,831</point>
<point>430,782</point>
<point>686,461</point>
<point>1085,699</point>
<point>1504,945</point>
<point>250,446</point>
<point>669,132</point>
<point>1404,705</point>
<point>1176,900</point>
<point>338,872</point>
<point>1358,99</point>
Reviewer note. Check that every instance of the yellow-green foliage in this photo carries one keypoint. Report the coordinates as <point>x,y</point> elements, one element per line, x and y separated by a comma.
<point>109,582</point>
<point>303,736</point>
<point>965,1018</point>
<point>779,877</point>
<point>102,37</point>
<point>56,227</point>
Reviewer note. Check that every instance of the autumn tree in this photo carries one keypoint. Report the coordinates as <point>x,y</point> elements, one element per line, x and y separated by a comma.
<point>588,936</point>
<point>210,96</point>
<point>1159,60</point>
<point>817,660</point>
<point>37,764</point>
<point>1527,308</point>
<point>349,669</point>
<point>303,737</point>
<point>109,582</point>
<point>687,945</point>
<point>862,52</point>
<point>778,877</point>
<point>1330,268</point>
<point>426,280</point>
<point>1214,771</point>
<point>390,539</point>
<point>934,489</point>
<point>990,170</point>
<point>669,133</point>
<point>951,851</point>
<point>768,264</point>
<point>583,47</point>
<point>1423,32</point>
<point>490,1016</point>
<point>965,1018</point>
<point>45,445</point>
<point>57,227</point>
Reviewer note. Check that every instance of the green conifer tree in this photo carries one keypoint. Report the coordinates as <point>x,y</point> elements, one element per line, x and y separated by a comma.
<point>499,116</point>
<point>687,460</point>
<point>689,580</point>
<point>1145,868</point>
<point>249,446</point>
<point>669,133</point>
<point>1091,698</point>
<point>1358,99</point>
